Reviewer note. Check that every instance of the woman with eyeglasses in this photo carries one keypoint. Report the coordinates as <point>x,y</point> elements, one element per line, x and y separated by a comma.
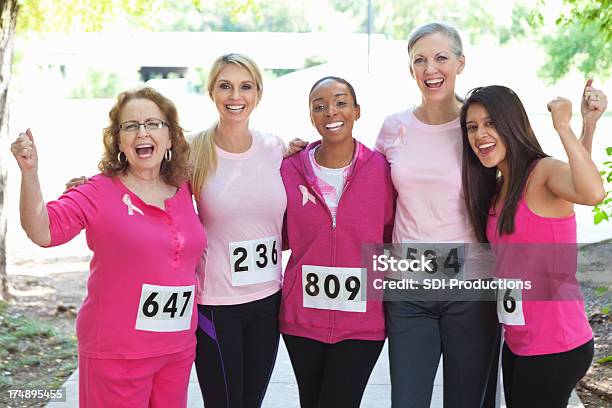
<point>241,201</point>
<point>521,201</point>
<point>136,326</point>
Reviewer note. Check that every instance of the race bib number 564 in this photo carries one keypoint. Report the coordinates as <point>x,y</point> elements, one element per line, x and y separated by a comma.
<point>165,308</point>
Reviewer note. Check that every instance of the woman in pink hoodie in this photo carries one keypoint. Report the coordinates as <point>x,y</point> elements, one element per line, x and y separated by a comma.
<point>339,197</point>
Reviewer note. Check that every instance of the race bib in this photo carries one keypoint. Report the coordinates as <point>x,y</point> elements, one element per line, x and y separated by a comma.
<point>334,288</point>
<point>255,261</point>
<point>165,308</point>
<point>434,261</point>
<point>510,306</point>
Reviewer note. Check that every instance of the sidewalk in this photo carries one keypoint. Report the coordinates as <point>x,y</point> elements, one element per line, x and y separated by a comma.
<point>283,392</point>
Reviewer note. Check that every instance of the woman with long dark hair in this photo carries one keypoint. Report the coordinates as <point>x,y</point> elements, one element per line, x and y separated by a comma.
<point>521,201</point>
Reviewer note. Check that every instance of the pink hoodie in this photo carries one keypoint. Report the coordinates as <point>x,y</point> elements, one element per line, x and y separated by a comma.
<point>364,216</point>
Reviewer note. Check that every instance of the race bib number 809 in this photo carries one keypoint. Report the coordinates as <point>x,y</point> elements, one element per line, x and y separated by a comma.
<point>334,288</point>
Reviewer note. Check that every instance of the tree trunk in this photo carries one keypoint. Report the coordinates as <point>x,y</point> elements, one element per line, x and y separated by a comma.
<point>8,19</point>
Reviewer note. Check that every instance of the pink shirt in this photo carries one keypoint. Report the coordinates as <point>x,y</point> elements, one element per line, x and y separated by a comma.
<point>426,172</point>
<point>541,250</point>
<point>330,181</point>
<point>242,207</point>
<point>134,245</point>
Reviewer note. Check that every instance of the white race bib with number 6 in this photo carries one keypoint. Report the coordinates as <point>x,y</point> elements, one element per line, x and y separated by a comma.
<point>255,261</point>
<point>334,288</point>
<point>510,305</point>
<point>165,308</point>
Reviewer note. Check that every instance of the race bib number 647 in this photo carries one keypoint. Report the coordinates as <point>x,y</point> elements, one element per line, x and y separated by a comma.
<point>165,308</point>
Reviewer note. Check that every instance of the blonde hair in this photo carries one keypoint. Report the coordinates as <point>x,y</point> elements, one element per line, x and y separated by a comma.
<point>174,172</point>
<point>203,155</point>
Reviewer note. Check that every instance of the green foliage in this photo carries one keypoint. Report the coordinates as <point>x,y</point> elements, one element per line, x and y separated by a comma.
<point>589,13</point>
<point>273,73</point>
<point>313,61</point>
<point>578,45</point>
<point>603,210</point>
<point>66,15</point>
<point>99,84</point>
<point>197,80</point>
<point>396,19</point>
<point>230,15</point>
<point>605,360</point>
<point>27,344</point>
<point>519,26</point>
<point>583,39</point>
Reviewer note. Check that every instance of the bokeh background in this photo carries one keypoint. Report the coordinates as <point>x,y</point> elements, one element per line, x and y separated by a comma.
<point>72,57</point>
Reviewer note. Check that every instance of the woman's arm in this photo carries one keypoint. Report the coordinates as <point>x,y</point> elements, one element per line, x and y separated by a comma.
<point>579,181</point>
<point>32,210</point>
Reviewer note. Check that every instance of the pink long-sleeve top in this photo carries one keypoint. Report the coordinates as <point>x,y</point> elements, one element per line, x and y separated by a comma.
<point>141,286</point>
<point>426,171</point>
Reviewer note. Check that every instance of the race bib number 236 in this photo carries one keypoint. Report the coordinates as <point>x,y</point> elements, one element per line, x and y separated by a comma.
<point>255,261</point>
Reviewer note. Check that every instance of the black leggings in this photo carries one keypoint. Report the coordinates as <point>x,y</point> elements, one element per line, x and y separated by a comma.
<point>544,381</point>
<point>332,375</point>
<point>236,352</point>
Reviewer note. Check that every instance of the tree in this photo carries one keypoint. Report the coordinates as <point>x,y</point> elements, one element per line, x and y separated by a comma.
<point>260,15</point>
<point>8,20</point>
<point>584,41</point>
<point>396,19</point>
<point>23,16</point>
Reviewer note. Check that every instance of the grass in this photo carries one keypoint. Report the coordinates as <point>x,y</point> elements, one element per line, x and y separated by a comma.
<point>33,354</point>
<point>601,290</point>
<point>605,360</point>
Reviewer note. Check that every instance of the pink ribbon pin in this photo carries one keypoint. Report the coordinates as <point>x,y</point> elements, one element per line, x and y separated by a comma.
<point>306,196</point>
<point>131,207</point>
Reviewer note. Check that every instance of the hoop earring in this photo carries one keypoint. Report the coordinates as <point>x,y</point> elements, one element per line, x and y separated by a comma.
<point>119,157</point>
<point>168,155</point>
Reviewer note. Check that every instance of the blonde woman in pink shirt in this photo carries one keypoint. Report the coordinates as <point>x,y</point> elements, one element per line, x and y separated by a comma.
<point>136,326</point>
<point>424,148</point>
<point>241,202</point>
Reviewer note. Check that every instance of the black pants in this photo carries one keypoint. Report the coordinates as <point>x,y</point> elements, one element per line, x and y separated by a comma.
<point>332,375</point>
<point>466,333</point>
<point>236,352</point>
<point>544,381</point>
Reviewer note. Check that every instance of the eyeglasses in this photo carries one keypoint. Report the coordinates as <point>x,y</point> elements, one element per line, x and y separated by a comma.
<point>150,125</point>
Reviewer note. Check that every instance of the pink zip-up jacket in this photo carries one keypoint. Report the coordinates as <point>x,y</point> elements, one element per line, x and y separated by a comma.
<point>364,216</point>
